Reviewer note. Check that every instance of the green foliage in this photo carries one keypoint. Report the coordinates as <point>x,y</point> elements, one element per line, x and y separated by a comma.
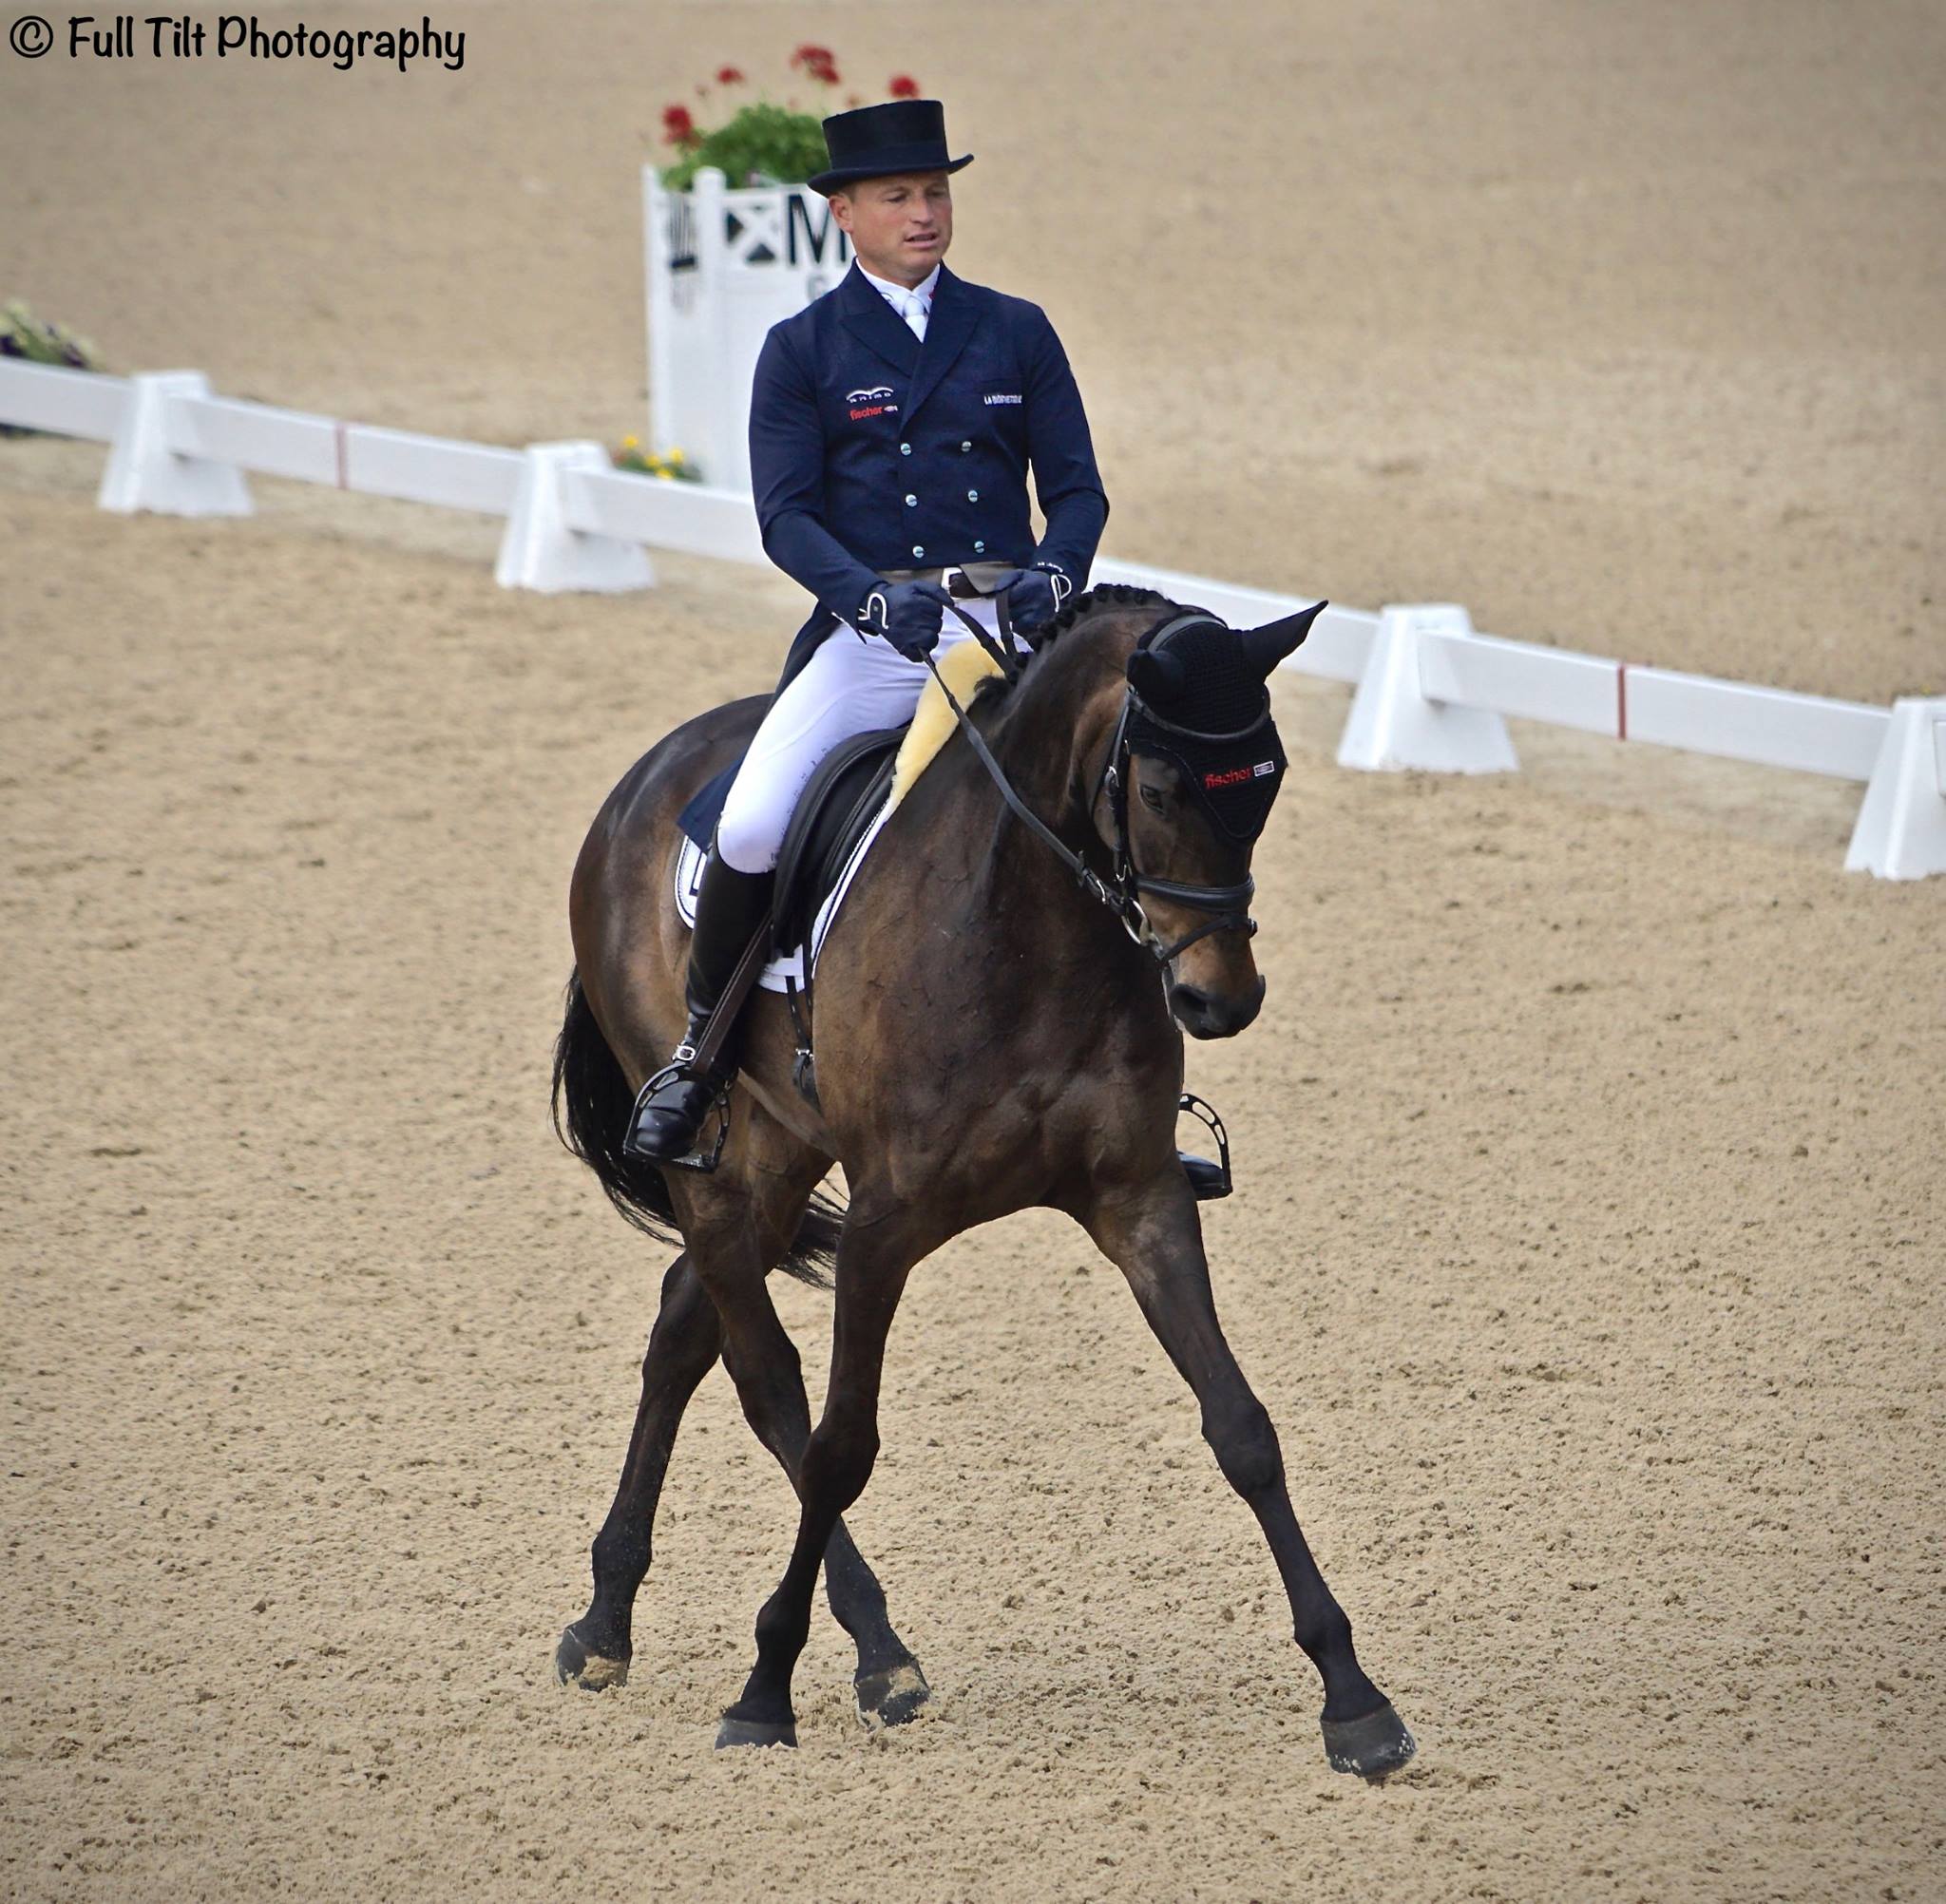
<point>26,336</point>
<point>761,145</point>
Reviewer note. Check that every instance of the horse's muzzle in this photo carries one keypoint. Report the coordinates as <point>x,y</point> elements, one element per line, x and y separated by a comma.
<point>1209,1015</point>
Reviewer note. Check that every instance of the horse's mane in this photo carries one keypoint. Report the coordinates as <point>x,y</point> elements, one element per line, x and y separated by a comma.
<point>1103,595</point>
<point>1077,608</point>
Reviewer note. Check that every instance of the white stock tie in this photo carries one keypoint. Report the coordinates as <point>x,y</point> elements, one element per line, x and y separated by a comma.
<point>914,315</point>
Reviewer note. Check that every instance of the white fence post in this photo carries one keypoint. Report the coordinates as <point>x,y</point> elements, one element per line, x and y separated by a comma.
<point>144,473</point>
<point>1902,827</point>
<point>540,550</point>
<point>1393,725</point>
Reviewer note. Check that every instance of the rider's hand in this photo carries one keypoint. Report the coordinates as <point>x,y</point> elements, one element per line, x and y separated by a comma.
<point>906,614</point>
<point>1034,596</point>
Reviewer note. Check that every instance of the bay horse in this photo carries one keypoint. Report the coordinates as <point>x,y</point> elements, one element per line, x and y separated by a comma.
<point>997,1018</point>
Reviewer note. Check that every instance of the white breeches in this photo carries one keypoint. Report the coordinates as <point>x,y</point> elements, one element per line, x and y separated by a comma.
<point>848,686</point>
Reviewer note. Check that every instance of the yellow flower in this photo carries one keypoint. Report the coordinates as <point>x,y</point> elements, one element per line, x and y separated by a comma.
<point>674,454</point>
<point>631,442</point>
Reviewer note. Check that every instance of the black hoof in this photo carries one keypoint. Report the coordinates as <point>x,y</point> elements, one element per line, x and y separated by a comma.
<point>892,1695</point>
<point>754,1732</point>
<point>1371,1746</point>
<point>576,1665</point>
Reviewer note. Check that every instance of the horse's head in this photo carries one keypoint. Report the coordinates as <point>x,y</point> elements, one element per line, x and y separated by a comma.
<point>1186,792</point>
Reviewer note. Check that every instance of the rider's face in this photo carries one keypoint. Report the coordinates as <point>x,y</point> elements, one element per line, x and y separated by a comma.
<point>901,226</point>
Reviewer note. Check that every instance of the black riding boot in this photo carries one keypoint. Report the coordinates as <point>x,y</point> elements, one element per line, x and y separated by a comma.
<point>731,907</point>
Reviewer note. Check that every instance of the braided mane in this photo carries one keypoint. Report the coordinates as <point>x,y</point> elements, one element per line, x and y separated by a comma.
<point>1103,595</point>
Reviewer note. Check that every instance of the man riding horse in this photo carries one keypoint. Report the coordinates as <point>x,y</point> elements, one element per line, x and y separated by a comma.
<point>892,425</point>
<point>1082,862</point>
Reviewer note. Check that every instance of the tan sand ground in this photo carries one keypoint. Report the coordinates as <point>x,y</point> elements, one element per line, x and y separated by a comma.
<point>1591,1244</point>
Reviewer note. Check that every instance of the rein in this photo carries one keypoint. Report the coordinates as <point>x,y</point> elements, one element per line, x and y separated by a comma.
<point>1122,892</point>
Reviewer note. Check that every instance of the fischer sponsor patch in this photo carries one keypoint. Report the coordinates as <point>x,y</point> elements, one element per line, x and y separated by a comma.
<point>1235,776</point>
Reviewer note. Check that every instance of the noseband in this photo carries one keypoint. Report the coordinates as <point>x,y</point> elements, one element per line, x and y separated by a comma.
<point>1122,891</point>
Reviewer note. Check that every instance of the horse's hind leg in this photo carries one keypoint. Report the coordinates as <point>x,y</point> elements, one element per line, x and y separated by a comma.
<point>594,1652</point>
<point>1152,1234</point>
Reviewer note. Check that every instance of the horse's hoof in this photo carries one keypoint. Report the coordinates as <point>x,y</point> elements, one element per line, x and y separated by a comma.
<point>574,1665</point>
<point>891,1695</point>
<point>754,1732</point>
<point>1371,1746</point>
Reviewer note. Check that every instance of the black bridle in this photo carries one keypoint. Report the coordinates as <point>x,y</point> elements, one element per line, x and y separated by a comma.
<point>1122,892</point>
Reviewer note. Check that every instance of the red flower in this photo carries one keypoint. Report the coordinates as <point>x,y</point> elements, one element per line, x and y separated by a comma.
<point>678,129</point>
<point>819,62</point>
<point>903,86</point>
<point>729,75</point>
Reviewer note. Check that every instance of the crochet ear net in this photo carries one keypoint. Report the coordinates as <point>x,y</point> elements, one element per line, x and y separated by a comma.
<point>1159,679</point>
<point>1274,640</point>
<point>1202,704</point>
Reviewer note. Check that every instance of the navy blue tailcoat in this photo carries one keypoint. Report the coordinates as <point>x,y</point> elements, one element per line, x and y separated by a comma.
<point>870,451</point>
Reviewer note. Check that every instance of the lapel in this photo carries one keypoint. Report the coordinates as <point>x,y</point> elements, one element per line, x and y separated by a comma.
<point>955,317</point>
<point>877,326</point>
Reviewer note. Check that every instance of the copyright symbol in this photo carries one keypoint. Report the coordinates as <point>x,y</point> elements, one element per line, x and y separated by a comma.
<point>31,36</point>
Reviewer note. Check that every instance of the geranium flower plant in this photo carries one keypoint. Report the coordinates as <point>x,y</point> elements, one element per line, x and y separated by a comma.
<point>763,142</point>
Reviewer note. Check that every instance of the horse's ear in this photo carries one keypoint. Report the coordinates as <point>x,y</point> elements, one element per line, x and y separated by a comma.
<point>1158,678</point>
<point>1270,643</point>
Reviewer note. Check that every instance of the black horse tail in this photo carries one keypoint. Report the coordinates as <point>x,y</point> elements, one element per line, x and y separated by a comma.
<point>592,1103</point>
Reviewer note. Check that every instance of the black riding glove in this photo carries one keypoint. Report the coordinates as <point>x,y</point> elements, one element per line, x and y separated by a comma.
<point>906,614</point>
<point>1034,596</point>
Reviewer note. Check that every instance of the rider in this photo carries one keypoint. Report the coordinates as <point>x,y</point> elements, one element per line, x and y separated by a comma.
<point>892,424</point>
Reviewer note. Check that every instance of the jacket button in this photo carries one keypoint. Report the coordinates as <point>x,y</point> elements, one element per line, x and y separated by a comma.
<point>979,548</point>
<point>972,495</point>
<point>911,502</point>
<point>919,549</point>
<point>905,449</point>
<point>964,447</point>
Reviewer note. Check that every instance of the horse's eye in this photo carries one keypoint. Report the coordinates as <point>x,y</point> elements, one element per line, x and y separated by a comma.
<point>1153,798</point>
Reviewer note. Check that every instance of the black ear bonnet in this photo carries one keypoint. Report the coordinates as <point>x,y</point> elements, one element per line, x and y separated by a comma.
<point>1198,698</point>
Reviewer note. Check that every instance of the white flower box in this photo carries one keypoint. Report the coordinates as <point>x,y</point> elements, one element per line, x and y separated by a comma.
<point>723,267</point>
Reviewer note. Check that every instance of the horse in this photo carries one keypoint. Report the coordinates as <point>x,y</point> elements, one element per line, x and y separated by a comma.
<point>997,1014</point>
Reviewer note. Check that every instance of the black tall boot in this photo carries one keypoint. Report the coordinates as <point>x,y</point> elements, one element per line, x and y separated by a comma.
<point>731,908</point>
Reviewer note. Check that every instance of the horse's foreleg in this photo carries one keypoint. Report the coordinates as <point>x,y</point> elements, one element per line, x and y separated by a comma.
<point>873,1263</point>
<point>1153,1236</point>
<point>594,1652</point>
<point>888,1684</point>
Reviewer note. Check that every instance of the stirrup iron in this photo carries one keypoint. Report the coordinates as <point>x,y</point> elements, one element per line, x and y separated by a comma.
<point>1209,1181</point>
<point>682,1066</point>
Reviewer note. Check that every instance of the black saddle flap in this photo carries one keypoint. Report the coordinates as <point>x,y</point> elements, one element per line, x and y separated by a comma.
<point>838,803</point>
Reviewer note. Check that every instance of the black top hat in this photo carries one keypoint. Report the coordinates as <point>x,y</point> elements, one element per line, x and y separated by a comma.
<point>903,135</point>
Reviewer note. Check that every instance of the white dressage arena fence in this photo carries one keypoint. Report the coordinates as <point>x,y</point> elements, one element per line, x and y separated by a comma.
<point>1431,694</point>
<point>723,266</point>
